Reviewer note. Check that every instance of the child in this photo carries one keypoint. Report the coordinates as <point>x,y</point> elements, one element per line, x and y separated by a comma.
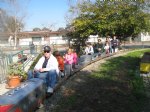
<point>68,61</point>
<point>60,62</point>
<point>106,47</point>
<point>75,58</point>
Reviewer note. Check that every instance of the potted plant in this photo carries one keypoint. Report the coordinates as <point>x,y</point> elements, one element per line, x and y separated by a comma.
<point>15,75</point>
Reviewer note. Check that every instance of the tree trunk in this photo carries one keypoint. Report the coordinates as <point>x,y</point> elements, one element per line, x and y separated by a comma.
<point>130,39</point>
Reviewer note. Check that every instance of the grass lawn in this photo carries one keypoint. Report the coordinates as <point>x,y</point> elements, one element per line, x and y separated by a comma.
<point>114,87</point>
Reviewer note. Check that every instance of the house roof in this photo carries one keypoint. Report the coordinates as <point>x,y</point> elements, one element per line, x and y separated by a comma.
<point>33,33</point>
<point>40,33</point>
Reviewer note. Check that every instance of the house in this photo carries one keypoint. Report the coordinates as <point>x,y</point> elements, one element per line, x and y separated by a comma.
<point>49,38</point>
<point>4,38</point>
<point>142,37</point>
<point>37,37</point>
<point>42,38</point>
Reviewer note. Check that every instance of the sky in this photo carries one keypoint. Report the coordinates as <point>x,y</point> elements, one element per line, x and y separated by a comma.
<point>46,13</point>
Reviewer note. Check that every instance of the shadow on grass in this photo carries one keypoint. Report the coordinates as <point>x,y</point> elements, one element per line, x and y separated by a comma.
<point>114,87</point>
<point>110,89</point>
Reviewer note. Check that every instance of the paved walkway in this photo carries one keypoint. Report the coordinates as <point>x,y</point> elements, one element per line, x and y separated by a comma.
<point>3,89</point>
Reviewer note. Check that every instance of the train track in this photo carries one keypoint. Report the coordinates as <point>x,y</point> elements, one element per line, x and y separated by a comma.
<point>52,101</point>
<point>28,101</point>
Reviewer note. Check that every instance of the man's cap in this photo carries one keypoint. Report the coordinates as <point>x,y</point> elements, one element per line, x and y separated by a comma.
<point>47,48</point>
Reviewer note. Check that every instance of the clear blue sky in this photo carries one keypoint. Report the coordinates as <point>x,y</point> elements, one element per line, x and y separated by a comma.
<point>42,13</point>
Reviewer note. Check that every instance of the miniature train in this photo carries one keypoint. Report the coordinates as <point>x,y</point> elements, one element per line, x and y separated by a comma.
<point>28,96</point>
<point>145,64</point>
<point>24,98</point>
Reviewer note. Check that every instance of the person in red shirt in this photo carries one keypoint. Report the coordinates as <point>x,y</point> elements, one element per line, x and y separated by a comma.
<point>60,62</point>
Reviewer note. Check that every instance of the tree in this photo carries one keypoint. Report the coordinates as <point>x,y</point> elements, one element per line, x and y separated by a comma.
<point>122,18</point>
<point>61,29</point>
<point>13,17</point>
<point>36,29</point>
<point>45,29</point>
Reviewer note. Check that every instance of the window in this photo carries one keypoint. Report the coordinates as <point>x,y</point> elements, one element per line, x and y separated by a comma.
<point>36,39</point>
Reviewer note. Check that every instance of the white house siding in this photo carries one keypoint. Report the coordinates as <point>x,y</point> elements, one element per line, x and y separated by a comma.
<point>28,40</point>
<point>57,40</point>
<point>143,37</point>
<point>25,41</point>
<point>52,40</point>
<point>93,38</point>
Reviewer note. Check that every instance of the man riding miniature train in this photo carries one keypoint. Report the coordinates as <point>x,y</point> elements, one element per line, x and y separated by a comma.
<point>46,69</point>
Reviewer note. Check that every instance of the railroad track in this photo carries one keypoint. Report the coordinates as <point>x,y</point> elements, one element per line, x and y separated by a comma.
<point>29,95</point>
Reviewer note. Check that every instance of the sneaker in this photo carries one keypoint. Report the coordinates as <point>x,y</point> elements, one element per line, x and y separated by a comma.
<point>62,75</point>
<point>41,106</point>
<point>50,90</point>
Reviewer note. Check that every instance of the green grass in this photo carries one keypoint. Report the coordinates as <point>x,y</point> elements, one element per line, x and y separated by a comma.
<point>127,65</point>
<point>126,68</point>
<point>66,102</point>
<point>119,76</point>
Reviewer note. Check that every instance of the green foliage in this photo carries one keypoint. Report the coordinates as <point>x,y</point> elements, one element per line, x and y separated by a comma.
<point>122,18</point>
<point>35,61</point>
<point>16,69</point>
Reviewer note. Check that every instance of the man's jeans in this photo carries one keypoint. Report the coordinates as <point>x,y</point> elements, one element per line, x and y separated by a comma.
<point>50,77</point>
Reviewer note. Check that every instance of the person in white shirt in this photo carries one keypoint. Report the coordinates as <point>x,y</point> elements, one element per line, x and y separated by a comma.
<point>86,49</point>
<point>91,50</point>
<point>47,69</point>
<point>106,47</point>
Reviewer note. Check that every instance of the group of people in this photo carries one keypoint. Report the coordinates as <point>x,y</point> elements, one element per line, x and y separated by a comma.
<point>52,65</point>
<point>69,59</point>
<point>109,46</point>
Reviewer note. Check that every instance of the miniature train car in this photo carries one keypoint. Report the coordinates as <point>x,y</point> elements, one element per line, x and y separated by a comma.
<point>24,98</point>
<point>28,96</point>
<point>145,63</point>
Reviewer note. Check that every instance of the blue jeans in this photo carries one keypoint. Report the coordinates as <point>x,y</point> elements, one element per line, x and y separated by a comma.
<point>30,74</point>
<point>50,77</point>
